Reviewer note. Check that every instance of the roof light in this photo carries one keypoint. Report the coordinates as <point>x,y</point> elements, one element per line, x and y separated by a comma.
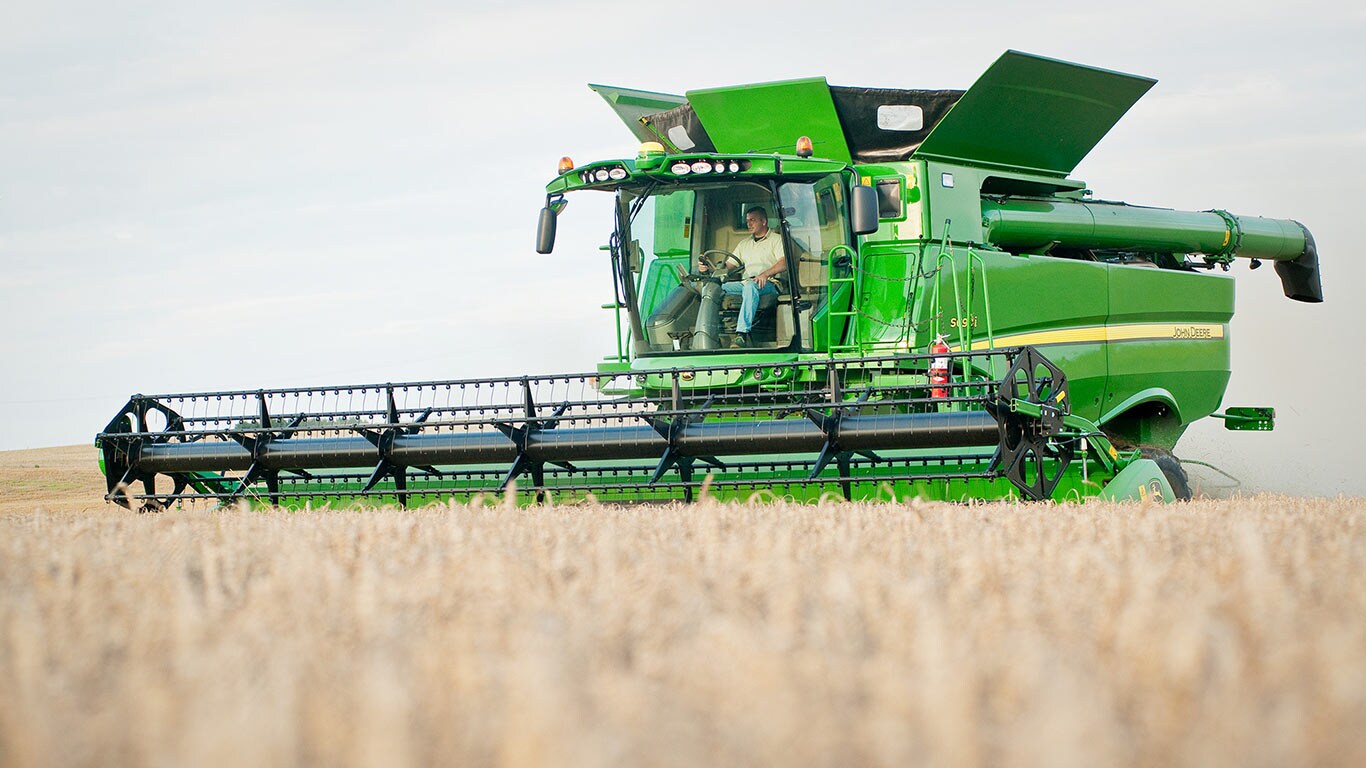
<point>600,174</point>
<point>617,173</point>
<point>734,167</point>
<point>680,168</point>
<point>701,166</point>
<point>804,146</point>
<point>566,165</point>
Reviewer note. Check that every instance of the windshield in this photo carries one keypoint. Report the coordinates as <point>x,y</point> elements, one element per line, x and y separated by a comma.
<point>712,268</point>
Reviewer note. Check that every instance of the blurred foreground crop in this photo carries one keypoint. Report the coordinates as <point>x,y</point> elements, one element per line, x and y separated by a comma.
<point>1213,633</point>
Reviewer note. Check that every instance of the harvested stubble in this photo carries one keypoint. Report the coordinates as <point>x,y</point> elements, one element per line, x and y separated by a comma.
<point>1214,633</point>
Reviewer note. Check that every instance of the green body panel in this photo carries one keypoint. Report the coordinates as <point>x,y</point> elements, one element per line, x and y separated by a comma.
<point>1117,330</point>
<point>1191,375</point>
<point>769,117</point>
<point>1034,300</point>
<point>1181,349</point>
<point>1140,481</point>
<point>1033,113</point>
<point>953,202</point>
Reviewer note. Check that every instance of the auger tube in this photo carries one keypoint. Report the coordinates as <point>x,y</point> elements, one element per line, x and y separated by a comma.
<point>1041,223</point>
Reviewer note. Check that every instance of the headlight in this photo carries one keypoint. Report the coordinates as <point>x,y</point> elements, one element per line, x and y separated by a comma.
<point>734,167</point>
<point>600,174</point>
<point>617,174</point>
<point>701,166</point>
<point>680,168</point>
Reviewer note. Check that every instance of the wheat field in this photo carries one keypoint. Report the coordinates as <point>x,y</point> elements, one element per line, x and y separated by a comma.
<point>1211,633</point>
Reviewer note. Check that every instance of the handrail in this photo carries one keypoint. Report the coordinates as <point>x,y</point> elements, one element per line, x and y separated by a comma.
<point>964,324</point>
<point>852,280</point>
<point>621,350</point>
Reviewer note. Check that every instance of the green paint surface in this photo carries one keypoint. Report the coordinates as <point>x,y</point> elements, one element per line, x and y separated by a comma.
<point>769,117</point>
<point>1032,112</point>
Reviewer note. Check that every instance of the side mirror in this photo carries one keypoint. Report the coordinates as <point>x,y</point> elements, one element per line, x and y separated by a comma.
<point>863,210</point>
<point>545,231</point>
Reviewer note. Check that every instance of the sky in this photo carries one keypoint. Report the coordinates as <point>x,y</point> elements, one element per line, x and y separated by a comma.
<point>271,194</point>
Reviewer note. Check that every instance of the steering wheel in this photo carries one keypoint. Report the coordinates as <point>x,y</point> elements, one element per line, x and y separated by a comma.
<point>718,266</point>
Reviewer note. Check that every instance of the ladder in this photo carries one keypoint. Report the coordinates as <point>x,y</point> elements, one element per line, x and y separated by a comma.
<point>850,340</point>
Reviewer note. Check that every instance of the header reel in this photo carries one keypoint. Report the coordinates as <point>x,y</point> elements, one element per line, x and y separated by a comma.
<point>792,427</point>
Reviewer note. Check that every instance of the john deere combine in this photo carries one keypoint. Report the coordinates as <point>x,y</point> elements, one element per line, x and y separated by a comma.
<point>949,316</point>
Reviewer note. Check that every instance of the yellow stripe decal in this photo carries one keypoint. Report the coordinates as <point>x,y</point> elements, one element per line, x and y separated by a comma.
<point>1104,333</point>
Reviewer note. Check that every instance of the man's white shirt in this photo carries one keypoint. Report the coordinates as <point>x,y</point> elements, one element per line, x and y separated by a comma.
<point>760,255</point>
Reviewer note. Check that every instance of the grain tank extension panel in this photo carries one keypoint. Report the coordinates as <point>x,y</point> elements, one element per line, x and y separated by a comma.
<point>1035,114</point>
<point>1026,112</point>
<point>843,123</point>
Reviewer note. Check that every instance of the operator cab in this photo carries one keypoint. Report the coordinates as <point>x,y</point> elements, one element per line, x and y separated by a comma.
<point>668,233</point>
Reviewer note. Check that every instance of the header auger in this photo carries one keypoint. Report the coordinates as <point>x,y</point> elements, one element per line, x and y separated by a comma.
<point>943,314</point>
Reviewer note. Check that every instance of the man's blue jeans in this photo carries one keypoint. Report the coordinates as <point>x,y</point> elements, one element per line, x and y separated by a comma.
<point>749,293</point>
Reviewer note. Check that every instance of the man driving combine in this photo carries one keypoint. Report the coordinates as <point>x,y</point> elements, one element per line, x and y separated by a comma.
<point>764,260</point>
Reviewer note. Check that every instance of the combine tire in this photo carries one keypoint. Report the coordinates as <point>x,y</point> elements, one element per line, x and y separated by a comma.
<point>1171,469</point>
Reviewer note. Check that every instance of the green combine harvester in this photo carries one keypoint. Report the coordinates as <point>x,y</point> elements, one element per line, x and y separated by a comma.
<point>931,308</point>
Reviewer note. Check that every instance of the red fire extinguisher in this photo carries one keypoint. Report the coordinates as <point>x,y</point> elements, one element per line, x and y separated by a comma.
<point>939,368</point>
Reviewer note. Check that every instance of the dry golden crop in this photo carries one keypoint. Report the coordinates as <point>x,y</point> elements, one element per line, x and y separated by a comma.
<point>1211,633</point>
